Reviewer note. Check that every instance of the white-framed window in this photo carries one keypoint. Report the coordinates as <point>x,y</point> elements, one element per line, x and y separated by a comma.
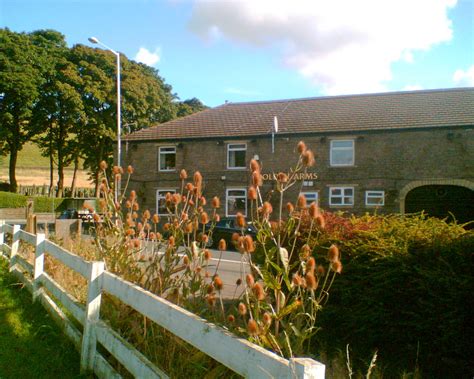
<point>342,152</point>
<point>235,201</point>
<point>161,207</point>
<point>311,196</point>
<point>167,158</point>
<point>236,155</point>
<point>375,198</point>
<point>341,196</point>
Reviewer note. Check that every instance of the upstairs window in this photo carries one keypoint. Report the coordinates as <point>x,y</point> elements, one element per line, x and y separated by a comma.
<point>167,158</point>
<point>236,201</point>
<point>374,198</point>
<point>342,153</point>
<point>341,196</point>
<point>236,155</point>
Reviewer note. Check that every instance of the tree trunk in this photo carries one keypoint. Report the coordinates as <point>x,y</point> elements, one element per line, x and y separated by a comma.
<point>51,167</point>
<point>74,176</point>
<point>12,168</point>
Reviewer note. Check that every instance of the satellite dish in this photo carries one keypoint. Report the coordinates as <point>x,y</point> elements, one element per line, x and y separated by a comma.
<point>275,124</point>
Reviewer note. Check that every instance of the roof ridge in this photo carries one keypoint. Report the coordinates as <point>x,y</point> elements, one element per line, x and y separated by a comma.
<point>367,94</point>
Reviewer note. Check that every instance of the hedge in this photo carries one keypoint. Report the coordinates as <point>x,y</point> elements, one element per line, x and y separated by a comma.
<point>407,290</point>
<point>41,203</point>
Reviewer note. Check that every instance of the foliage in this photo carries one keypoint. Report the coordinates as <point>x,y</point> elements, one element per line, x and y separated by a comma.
<point>406,291</point>
<point>66,99</point>
<point>31,344</point>
<point>277,302</point>
<point>49,204</point>
<point>12,200</point>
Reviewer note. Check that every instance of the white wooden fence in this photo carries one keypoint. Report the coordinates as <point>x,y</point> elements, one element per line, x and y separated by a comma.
<point>243,357</point>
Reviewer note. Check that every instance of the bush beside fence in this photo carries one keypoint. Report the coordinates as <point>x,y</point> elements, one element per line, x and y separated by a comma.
<point>243,357</point>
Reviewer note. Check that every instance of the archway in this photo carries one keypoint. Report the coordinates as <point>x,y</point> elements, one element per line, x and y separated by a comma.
<point>441,200</point>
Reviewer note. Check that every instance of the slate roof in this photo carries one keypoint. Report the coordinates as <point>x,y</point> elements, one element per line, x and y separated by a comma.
<point>391,110</point>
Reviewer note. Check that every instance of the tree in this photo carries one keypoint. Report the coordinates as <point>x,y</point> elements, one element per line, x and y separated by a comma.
<point>21,67</point>
<point>190,106</point>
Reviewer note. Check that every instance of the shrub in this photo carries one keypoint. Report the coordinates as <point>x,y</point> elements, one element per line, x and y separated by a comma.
<point>407,292</point>
<point>12,200</point>
<point>49,204</point>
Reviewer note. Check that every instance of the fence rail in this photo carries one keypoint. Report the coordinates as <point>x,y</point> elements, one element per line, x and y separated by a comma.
<point>243,357</point>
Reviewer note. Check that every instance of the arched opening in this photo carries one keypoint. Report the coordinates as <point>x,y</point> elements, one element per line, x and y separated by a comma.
<point>442,201</point>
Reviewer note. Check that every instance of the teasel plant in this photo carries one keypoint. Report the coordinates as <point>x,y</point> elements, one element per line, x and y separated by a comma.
<point>287,288</point>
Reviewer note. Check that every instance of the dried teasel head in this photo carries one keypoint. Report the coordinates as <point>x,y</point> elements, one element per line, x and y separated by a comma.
<point>171,241</point>
<point>249,245</point>
<point>207,255</point>
<point>146,214</point>
<point>218,283</point>
<point>189,187</point>
<point>267,209</point>
<point>211,300</point>
<point>203,201</point>
<point>222,245</point>
<point>252,327</point>
<point>133,195</point>
<point>204,218</point>
<point>128,204</point>
<point>258,291</point>
<point>301,147</point>
<point>336,267</point>
<point>188,228</point>
<point>311,281</point>
<point>183,174</point>
<point>197,178</point>
<point>176,198</point>
<point>282,177</point>
<point>267,319</point>
<point>307,158</point>
<point>242,308</point>
<point>186,260</point>
<point>320,221</point>
<point>116,170</point>
<point>152,236</point>
<point>313,210</point>
<point>297,280</point>
<point>240,220</point>
<point>252,193</point>
<point>210,288</point>
<point>130,170</point>
<point>231,319</point>
<point>155,219</point>
<point>333,254</point>
<point>135,206</point>
<point>249,279</point>
<point>310,264</point>
<point>301,203</point>
<point>254,165</point>
<point>257,180</point>
<point>216,202</point>
<point>290,207</point>
<point>216,218</point>
<point>238,282</point>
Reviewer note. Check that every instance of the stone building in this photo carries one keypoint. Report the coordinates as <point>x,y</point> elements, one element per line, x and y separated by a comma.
<point>390,152</point>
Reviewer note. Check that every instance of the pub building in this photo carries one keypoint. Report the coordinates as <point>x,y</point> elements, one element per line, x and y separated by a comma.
<point>394,152</point>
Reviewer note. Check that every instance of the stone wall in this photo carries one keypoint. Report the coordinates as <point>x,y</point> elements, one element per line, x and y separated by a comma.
<point>388,160</point>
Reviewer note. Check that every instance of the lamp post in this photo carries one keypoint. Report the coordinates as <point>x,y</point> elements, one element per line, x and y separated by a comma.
<point>119,118</point>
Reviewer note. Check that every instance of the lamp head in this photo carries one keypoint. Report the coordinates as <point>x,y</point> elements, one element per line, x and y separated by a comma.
<point>93,40</point>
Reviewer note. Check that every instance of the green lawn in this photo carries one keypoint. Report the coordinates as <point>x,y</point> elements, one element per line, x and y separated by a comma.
<point>28,157</point>
<point>31,345</point>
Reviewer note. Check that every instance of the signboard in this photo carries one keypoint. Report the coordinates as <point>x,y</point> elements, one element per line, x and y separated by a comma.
<point>299,176</point>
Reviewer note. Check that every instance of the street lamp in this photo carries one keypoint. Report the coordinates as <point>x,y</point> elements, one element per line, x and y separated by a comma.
<point>119,118</point>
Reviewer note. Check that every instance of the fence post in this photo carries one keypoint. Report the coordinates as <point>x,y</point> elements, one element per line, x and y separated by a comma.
<point>89,338</point>
<point>2,233</point>
<point>306,368</point>
<point>39,264</point>
<point>15,245</point>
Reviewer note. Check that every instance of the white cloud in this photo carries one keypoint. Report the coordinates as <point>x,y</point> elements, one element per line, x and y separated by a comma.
<point>341,46</point>
<point>146,56</point>
<point>464,78</point>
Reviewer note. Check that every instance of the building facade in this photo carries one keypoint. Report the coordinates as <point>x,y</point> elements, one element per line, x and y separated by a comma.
<point>390,153</point>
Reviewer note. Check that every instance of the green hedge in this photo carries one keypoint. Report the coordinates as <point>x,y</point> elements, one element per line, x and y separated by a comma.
<point>41,203</point>
<point>407,290</point>
<point>12,200</point>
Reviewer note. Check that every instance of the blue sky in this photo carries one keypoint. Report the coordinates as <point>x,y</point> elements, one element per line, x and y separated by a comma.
<point>263,50</point>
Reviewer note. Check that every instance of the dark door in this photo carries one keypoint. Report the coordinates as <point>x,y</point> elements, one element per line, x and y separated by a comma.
<point>441,200</point>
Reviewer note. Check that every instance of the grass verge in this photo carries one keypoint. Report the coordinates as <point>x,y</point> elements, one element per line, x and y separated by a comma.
<point>31,344</point>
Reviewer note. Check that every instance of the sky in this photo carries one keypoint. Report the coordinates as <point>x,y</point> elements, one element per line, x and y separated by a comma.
<point>258,50</point>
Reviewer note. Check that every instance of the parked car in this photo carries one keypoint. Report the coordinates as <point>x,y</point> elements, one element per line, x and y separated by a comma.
<point>225,228</point>
<point>74,214</point>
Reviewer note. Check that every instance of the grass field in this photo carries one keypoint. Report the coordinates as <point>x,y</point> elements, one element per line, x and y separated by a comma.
<point>31,345</point>
<point>33,168</point>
